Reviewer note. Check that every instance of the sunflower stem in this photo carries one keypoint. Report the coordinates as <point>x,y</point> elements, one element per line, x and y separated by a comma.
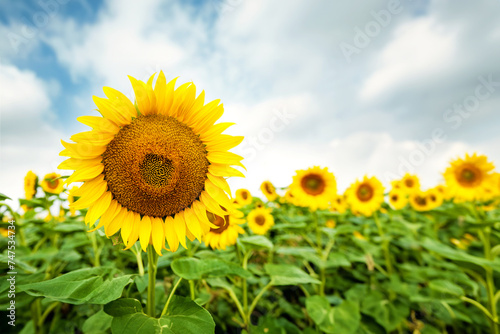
<point>138,255</point>
<point>490,283</point>
<point>170,297</point>
<point>152,266</point>
<point>256,300</point>
<point>319,246</point>
<point>93,239</point>
<point>245,287</point>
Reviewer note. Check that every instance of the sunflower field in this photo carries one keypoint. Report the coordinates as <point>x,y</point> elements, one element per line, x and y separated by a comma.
<point>144,235</point>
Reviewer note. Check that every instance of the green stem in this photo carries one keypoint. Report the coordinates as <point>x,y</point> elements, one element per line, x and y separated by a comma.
<point>191,289</point>
<point>257,298</point>
<point>490,284</point>
<point>152,265</point>
<point>138,255</point>
<point>170,297</point>
<point>36,315</point>
<point>49,309</point>
<point>245,287</point>
<point>238,305</point>
<point>93,239</point>
<point>385,245</point>
<point>479,306</point>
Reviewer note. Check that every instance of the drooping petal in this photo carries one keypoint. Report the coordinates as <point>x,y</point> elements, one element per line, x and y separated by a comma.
<point>145,232</point>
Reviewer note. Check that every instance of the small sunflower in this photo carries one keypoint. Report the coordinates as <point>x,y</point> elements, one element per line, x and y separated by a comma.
<point>419,201</point>
<point>52,184</point>
<point>443,190</point>
<point>268,190</point>
<point>260,220</point>
<point>227,232</point>
<point>338,204</point>
<point>398,199</point>
<point>366,196</point>
<point>358,235</point>
<point>152,170</point>
<point>314,187</point>
<point>330,223</point>
<point>469,179</point>
<point>410,183</point>
<point>71,200</point>
<point>30,184</point>
<point>434,197</point>
<point>4,232</point>
<point>243,197</point>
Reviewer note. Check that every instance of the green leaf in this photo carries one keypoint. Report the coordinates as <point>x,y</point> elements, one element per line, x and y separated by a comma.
<point>387,314</point>
<point>342,319</point>
<point>4,197</point>
<point>83,286</point>
<point>257,241</point>
<point>446,287</point>
<point>183,316</point>
<point>99,323</point>
<point>123,306</point>
<point>69,227</point>
<point>192,268</point>
<point>286,274</point>
<point>317,307</point>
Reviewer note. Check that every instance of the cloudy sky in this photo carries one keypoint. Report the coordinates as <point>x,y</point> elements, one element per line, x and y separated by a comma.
<point>361,87</point>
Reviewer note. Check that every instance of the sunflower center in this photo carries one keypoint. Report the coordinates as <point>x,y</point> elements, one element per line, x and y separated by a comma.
<point>365,193</point>
<point>433,198</point>
<point>269,188</point>
<point>223,223</point>
<point>409,183</point>
<point>52,183</point>
<point>244,195</point>
<point>394,198</point>
<point>313,184</point>
<point>420,200</point>
<point>469,176</point>
<point>260,220</point>
<point>156,166</point>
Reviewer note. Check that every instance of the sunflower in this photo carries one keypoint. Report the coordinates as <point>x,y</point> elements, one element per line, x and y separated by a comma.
<point>469,179</point>
<point>289,198</point>
<point>398,199</point>
<point>443,190</point>
<point>152,170</point>
<point>227,232</point>
<point>419,201</point>
<point>366,196</point>
<point>434,197</point>
<point>268,190</point>
<point>52,184</point>
<point>4,232</point>
<point>314,187</point>
<point>338,204</point>
<point>30,183</point>
<point>410,183</point>
<point>243,197</point>
<point>260,220</point>
<point>330,223</point>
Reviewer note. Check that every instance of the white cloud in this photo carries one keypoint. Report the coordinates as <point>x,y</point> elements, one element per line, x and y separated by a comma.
<point>29,140</point>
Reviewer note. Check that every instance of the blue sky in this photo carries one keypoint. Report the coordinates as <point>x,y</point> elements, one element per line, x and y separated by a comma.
<point>377,87</point>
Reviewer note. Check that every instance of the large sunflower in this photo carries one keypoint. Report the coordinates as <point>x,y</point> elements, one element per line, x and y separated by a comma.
<point>366,196</point>
<point>260,220</point>
<point>268,190</point>
<point>154,169</point>
<point>243,197</point>
<point>469,179</point>
<point>227,232</point>
<point>314,187</point>
<point>52,184</point>
<point>30,183</point>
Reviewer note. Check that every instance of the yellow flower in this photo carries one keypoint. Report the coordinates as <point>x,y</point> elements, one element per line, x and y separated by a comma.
<point>460,243</point>
<point>227,232</point>
<point>4,232</point>
<point>444,191</point>
<point>331,223</point>
<point>268,190</point>
<point>152,170</point>
<point>52,183</point>
<point>243,197</point>
<point>419,201</point>
<point>260,220</point>
<point>358,235</point>
<point>410,183</point>
<point>435,198</point>
<point>396,184</point>
<point>469,179</point>
<point>314,187</point>
<point>338,204</point>
<point>398,199</point>
<point>30,182</point>
<point>366,196</point>
<point>289,198</point>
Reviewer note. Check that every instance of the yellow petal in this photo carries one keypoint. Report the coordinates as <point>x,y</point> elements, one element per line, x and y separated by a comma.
<point>83,150</point>
<point>99,123</point>
<point>144,96</point>
<point>157,235</point>
<point>134,235</point>
<point>223,142</point>
<point>192,223</point>
<point>90,192</point>
<point>207,116</point>
<point>167,96</point>
<point>180,228</point>
<point>170,234</point>
<point>74,164</point>
<point>111,111</point>
<point>107,216</point>
<point>120,101</point>
<point>211,204</point>
<point>224,170</point>
<point>219,182</point>
<point>100,206</point>
<point>219,195</point>
<point>128,223</point>
<point>225,158</point>
<point>93,137</point>
<point>201,212</point>
<point>145,232</point>
<point>86,173</point>
<point>215,131</point>
<point>116,223</point>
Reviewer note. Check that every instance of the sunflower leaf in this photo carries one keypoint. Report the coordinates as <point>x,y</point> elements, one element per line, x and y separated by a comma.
<point>286,274</point>
<point>192,268</point>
